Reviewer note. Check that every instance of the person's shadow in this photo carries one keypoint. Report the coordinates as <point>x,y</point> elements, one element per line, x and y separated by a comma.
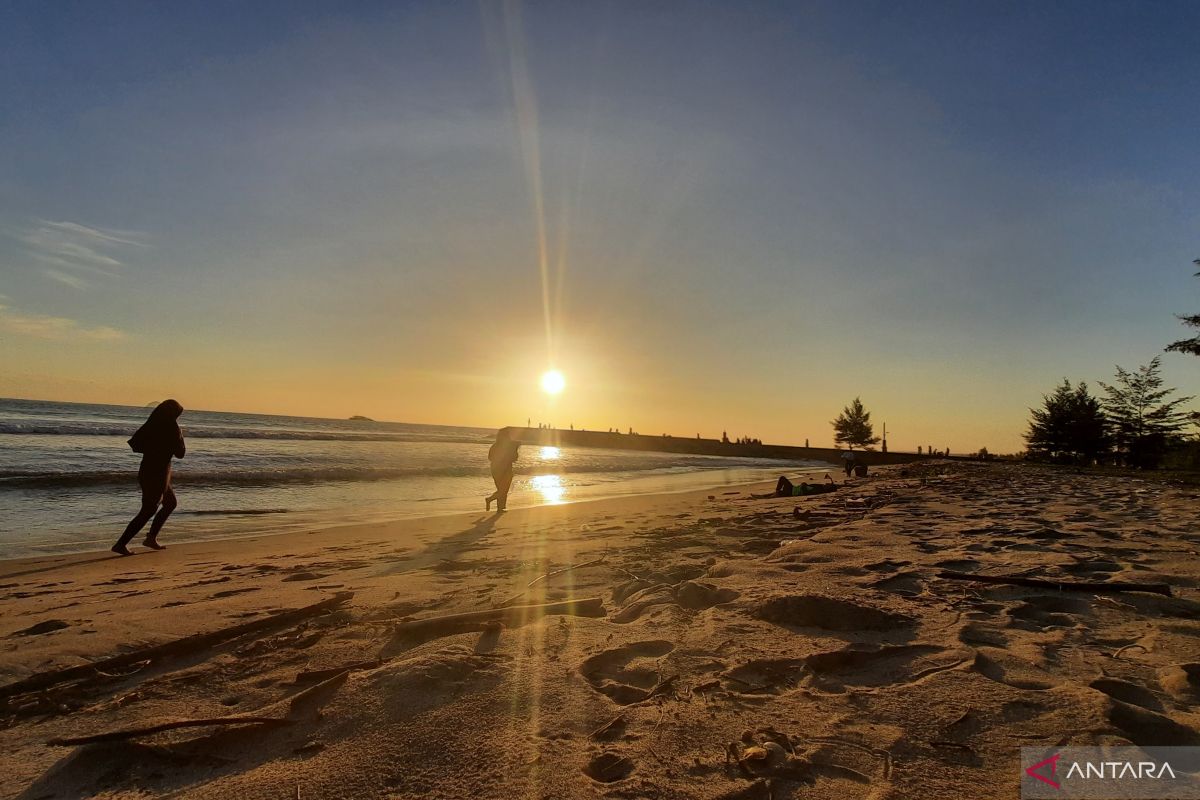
<point>444,549</point>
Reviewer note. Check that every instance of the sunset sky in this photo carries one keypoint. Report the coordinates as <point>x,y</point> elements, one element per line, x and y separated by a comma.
<point>725,215</point>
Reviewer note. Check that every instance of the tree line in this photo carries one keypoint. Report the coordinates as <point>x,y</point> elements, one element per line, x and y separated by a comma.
<point>1135,422</point>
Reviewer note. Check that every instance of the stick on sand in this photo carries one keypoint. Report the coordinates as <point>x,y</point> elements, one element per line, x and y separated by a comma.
<point>176,647</point>
<point>555,573</point>
<point>1065,586</point>
<point>587,607</point>
<point>134,733</point>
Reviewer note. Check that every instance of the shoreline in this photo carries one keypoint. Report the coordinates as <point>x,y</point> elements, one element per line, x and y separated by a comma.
<point>431,521</point>
<point>303,522</point>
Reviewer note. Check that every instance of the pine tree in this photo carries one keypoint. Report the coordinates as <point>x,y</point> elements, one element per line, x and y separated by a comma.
<point>1142,420</point>
<point>853,426</point>
<point>1191,345</point>
<point>1070,426</point>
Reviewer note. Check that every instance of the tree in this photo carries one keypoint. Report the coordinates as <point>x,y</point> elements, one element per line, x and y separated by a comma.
<point>853,426</point>
<point>1191,345</point>
<point>1070,426</point>
<point>1142,420</point>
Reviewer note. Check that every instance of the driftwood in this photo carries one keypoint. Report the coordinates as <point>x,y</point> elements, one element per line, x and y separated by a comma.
<point>307,676</point>
<point>134,733</point>
<point>299,706</point>
<point>476,620</point>
<point>555,573</point>
<point>1066,586</point>
<point>176,647</point>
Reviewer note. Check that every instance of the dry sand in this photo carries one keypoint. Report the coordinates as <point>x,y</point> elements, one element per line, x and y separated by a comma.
<point>825,639</point>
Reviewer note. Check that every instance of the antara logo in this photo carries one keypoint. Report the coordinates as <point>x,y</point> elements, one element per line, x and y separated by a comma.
<point>1046,770</point>
<point>1117,770</point>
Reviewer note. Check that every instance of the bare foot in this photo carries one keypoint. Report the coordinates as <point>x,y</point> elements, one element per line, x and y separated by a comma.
<point>154,545</point>
<point>121,550</point>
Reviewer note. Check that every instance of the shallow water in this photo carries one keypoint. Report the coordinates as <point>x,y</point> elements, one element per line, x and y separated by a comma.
<point>68,481</point>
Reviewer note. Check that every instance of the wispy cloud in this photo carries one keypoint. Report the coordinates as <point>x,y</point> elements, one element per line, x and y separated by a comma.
<point>74,281</point>
<point>72,248</point>
<point>43,326</point>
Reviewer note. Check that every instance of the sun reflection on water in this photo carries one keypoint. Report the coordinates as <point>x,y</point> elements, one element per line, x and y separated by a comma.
<point>550,487</point>
<point>549,453</point>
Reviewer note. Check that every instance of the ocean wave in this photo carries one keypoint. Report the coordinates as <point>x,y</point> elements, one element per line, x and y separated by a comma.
<point>83,479</point>
<point>258,477</point>
<point>101,429</point>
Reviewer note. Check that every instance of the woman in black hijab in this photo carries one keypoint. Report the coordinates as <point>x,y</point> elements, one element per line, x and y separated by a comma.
<point>502,454</point>
<point>157,440</point>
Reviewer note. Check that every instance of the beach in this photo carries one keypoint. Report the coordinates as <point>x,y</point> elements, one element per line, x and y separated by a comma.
<point>742,648</point>
<point>68,480</point>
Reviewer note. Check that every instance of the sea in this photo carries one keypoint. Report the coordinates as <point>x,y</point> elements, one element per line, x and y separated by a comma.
<point>68,480</point>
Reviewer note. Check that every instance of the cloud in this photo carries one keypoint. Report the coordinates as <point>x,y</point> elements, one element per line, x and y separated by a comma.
<point>110,236</point>
<point>74,281</point>
<point>72,248</point>
<point>43,326</point>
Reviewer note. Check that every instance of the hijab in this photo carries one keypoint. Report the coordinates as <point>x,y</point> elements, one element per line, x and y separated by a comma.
<point>504,451</point>
<point>160,433</point>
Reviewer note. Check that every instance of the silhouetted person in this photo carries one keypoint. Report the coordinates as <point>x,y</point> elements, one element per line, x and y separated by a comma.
<point>502,455</point>
<point>157,440</point>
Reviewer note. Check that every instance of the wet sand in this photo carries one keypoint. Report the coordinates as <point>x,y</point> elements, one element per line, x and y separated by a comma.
<point>815,632</point>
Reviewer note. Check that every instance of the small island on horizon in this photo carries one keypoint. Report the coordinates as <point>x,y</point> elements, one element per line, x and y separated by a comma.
<point>360,418</point>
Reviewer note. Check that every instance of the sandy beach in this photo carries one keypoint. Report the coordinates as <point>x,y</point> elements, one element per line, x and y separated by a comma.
<point>743,648</point>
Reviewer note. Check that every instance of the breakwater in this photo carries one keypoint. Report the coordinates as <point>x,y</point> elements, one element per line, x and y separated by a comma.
<point>553,437</point>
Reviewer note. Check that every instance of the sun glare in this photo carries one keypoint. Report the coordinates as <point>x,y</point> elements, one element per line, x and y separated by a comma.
<point>553,382</point>
<point>550,487</point>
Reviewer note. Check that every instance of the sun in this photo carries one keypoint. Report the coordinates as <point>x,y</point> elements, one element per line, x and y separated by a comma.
<point>553,382</point>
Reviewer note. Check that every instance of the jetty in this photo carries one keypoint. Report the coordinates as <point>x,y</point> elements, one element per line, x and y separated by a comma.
<point>555,437</point>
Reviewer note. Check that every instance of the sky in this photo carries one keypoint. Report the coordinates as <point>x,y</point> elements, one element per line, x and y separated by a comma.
<point>709,216</point>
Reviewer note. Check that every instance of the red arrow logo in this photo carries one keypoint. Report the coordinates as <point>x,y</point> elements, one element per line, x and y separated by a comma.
<point>1053,762</point>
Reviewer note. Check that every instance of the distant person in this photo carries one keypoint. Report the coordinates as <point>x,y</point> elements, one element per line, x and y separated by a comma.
<point>502,455</point>
<point>849,460</point>
<point>158,440</point>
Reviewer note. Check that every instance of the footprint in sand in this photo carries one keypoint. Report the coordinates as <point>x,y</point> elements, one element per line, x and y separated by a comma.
<point>1182,682</point>
<point>830,614</point>
<point>608,767</point>
<point>958,564</point>
<point>304,576</point>
<point>974,633</point>
<point>887,565</point>
<point>49,626</point>
<point>907,582</point>
<point>1147,729</point>
<point>1127,692</point>
<point>1047,611</point>
<point>875,665</point>
<point>232,592</point>
<point>1002,667</point>
<point>626,674</point>
<point>766,674</point>
<point>1092,569</point>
